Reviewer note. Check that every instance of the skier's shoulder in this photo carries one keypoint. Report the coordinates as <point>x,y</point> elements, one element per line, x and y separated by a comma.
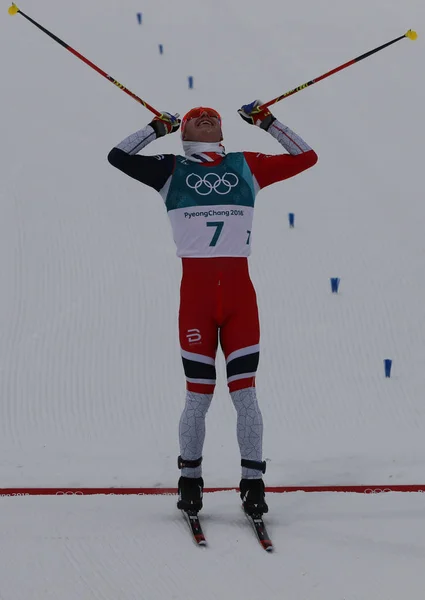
<point>247,155</point>
<point>182,160</point>
<point>119,156</point>
<point>235,159</point>
<point>235,155</point>
<point>166,157</point>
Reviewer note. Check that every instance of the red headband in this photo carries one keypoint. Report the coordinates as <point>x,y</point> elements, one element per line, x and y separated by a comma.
<point>194,113</point>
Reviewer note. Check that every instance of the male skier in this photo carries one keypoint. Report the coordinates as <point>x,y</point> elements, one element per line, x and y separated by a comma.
<point>209,196</point>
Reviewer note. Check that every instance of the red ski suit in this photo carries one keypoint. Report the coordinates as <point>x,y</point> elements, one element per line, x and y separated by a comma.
<point>218,301</point>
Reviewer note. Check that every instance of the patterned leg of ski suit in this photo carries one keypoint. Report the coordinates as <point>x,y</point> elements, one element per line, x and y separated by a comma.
<point>218,304</point>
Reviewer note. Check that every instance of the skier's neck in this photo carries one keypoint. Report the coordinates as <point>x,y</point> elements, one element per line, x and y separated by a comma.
<point>203,151</point>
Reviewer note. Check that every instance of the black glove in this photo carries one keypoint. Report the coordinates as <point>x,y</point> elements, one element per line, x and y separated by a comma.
<point>165,123</point>
<point>254,116</point>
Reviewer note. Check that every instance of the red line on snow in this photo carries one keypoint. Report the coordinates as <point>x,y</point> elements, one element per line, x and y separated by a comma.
<point>84,491</point>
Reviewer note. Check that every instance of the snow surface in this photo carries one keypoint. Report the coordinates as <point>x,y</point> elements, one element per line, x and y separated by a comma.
<point>327,547</point>
<point>91,383</point>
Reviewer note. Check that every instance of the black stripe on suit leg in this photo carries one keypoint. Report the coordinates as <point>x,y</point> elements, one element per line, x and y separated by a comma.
<point>198,370</point>
<point>243,364</point>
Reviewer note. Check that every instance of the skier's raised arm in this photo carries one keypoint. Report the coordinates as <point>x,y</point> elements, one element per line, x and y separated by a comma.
<point>268,169</point>
<point>150,170</point>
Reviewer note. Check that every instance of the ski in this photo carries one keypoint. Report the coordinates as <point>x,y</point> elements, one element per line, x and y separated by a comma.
<point>260,531</point>
<point>195,527</point>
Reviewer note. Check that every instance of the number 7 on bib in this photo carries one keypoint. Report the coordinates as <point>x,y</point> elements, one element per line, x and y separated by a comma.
<point>219,226</point>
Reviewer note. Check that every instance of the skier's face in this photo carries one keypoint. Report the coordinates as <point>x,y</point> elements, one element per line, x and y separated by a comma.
<point>203,126</point>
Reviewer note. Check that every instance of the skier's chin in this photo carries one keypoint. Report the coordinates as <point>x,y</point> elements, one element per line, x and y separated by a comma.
<point>206,130</point>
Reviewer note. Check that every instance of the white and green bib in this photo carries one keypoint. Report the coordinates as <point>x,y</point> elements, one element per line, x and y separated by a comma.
<point>211,207</point>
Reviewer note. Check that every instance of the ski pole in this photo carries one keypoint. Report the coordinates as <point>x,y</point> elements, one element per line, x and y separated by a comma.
<point>412,35</point>
<point>13,10</point>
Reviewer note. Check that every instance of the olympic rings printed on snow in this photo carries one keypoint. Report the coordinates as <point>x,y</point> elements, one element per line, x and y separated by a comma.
<point>149,491</point>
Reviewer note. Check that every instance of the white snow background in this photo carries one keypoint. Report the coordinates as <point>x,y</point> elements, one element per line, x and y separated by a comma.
<point>91,383</point>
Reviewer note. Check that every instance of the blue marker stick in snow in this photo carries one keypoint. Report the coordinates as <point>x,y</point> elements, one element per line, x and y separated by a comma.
<point>161,49</point>
<point>139,18</point>
<point>387,366</point>
<point>190,81</point>
<point>291,219</point>
<point>335,284</point>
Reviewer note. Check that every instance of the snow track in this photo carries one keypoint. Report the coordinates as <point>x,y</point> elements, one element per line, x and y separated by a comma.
<point>327,547</point>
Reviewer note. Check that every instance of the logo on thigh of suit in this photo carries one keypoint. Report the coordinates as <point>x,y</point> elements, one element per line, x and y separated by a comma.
<point>193,336</point>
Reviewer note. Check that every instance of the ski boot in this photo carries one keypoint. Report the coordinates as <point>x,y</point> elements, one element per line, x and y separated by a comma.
<point>190,489</point>
<point>253,496</point>
<point>190,494</point>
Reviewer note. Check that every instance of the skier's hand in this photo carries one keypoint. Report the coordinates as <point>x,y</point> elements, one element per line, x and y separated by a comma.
<point>252,114</point>
<point>165,123</point>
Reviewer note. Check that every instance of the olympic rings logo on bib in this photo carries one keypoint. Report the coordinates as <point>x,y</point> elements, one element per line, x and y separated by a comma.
<point>212,182</point>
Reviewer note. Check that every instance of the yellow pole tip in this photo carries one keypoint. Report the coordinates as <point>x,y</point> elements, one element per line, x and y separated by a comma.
<point>412,35</point>
<point>13,10</point>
